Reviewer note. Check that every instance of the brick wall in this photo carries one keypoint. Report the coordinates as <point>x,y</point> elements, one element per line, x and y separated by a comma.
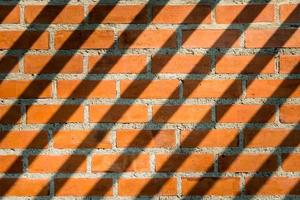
<point>161,98</point>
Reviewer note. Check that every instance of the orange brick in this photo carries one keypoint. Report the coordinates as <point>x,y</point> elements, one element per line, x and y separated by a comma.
<point>209,138</point>
<point>53,14</point>
<point>23,139</point>
<point>146,89</point>
<point>290,113</point>
<point>181,64</point>
<point>176,14</point>
<point>263,38</point>
<point>11,164</point>
<point>271,138</point>
<point>53,64</point>
<point>120,163</point>
<point>272,186</point>
<point>182,114</point>
<point>147,39</point>
<point>290,13</point>
<point>24,187</point>
<point>257,64</point>
<point>83,187</point>
<point>211,186</point>
<point>9,14</point>
<point>291,162</point>
<point>55,114</point>
<point>248,163</point>
<point>10,114</point>
<point>212,88</point>
<point>184,162</point>
<point>22,89</point>
<point>131,64</point>
<point>81,139</point>
<point>57,163</point>
<point>245,13</point>
<point>87,39</point>
<point>24,40</point>
<point>146,138</point>
<point>147,187</point>
<point>126,14</point>
<point>118,113</point>
<point>9,64</point>
<point>211,38</point>
<point>86,89</point>
<point>289,64</point>
<point>245,113</point>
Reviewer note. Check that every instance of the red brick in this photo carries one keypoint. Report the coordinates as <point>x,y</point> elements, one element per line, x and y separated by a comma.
<point>177,14</point>
<point>289,64</point>
<point>9,14</point>
<point>212,88</point>
<point>291,162</point>
<point>118,113</point>
<point>9,64</point>
<point>211,38</point>
<point>55,114</point>
<point>147,187</point>
<point>87,39</point>
<point>53,14</point>
<point>290,113</point>
<point>11,164</point>
<point>245,13</point>
<point>81,139</point>
<point>290,13</point>
<point>182,114</point>
<point>147,39</point>
<point>209,138</point>
<point>146,138</point>
<point>10,114</point>
<point>146,89</point>
<point>254,64</point>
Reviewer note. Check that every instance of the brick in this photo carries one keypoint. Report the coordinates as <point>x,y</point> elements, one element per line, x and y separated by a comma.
<point>23,139</point>
<point>177,14</point>
<point>289,113</point>
<point>209,138</point>
<point>271,138</point>
<point>40,64</point>
<point>9,14</point>
<point>24,39</point>
<point>55,114</point>
<point>84,39</point>
<point>177,63</point>
<point>121,14</point>
<point>290,13</point>
<point>76,139</point>
<point>210,186</point>
<point>118,113</point>
<point>9,64</point>
<point>83,187</point>
<point>132,64</point>
<point>182,114</point>
<point>147,187</point>
<point>146,138</point>
<point>24,187</point>
<point>161,38</point>
<point>57,163</point>
<point>211,38</point>
<point>264,38</point>
<point>248,64</point>
<point>86,89</point>
<point>184,162</point>
<point>251,13</point>
<point>248,163</point>
<point>245,113</point>
<point>10,114</point>
<point>289,64</point>
<point>22,89</point>
<point>11,164</point>
<point>272,186</point>
<point>120,163</point>
<point>146,89</point>
<point>212,88</point>
<point>291,162</point>
<point>53,14</point>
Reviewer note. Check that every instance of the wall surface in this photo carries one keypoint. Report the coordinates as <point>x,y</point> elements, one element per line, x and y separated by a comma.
<point>150,99</point>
